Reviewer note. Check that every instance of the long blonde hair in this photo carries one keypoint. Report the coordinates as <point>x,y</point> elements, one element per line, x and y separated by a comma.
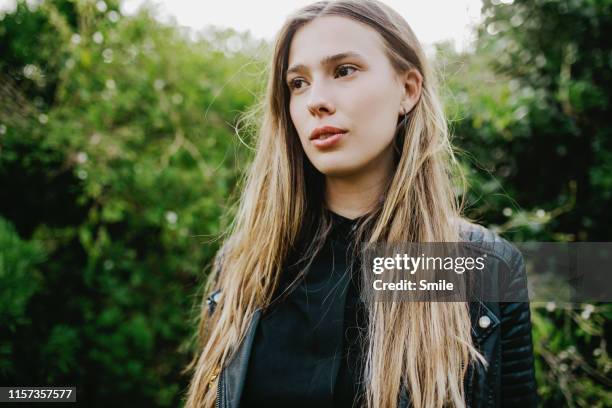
<point>425,345</point>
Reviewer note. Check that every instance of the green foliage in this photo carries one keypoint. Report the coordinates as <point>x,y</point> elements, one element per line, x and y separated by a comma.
<point>573,358</point>
<point>538,120</point>
<point>19,281</point>
<point>118,154</point>
<point>530,111</point>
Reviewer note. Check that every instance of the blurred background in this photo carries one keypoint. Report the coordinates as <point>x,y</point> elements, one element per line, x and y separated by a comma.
<point>119,162</point>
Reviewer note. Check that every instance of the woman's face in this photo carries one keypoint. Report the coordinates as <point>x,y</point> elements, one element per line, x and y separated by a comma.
<point>358,92</point>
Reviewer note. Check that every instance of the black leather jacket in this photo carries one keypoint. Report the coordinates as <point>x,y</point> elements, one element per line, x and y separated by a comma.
<point>501,331</point>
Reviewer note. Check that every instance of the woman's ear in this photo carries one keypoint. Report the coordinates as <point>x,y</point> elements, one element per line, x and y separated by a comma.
<point>412,82</point>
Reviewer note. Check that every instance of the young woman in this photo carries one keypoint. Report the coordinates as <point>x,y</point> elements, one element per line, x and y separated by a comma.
<point>353,148</point>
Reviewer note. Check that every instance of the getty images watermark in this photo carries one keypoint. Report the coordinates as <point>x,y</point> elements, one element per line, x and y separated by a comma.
<point>489,271</point>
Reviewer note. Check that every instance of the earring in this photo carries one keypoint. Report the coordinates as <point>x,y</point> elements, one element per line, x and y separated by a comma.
<point>403,117</point>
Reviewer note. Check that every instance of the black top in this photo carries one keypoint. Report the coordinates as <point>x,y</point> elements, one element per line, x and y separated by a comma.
<point>306,350</point>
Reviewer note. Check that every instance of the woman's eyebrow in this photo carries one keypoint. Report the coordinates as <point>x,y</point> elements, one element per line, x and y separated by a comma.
<point>325,61</point>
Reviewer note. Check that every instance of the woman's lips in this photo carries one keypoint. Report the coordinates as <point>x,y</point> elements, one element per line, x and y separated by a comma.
<point>327,141</point>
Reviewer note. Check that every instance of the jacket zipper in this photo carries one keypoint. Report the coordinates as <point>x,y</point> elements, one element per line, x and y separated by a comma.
<point>469,388</point>
<point>219,388</point>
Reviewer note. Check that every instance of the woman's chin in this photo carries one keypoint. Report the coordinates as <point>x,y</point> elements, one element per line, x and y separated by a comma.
<point>337,169</point>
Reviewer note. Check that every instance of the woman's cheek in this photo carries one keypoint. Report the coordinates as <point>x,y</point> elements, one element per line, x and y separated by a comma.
<point>375,120</point>
<point>298,120</point>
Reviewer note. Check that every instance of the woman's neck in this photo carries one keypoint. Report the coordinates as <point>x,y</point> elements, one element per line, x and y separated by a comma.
<point>356,194</point>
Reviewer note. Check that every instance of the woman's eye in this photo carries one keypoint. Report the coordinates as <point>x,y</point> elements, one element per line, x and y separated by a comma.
<point>344,68</point>
<point>293,83</point>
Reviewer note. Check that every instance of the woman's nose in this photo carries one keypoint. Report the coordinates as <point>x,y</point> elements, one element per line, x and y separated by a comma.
<point>319,103</point>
